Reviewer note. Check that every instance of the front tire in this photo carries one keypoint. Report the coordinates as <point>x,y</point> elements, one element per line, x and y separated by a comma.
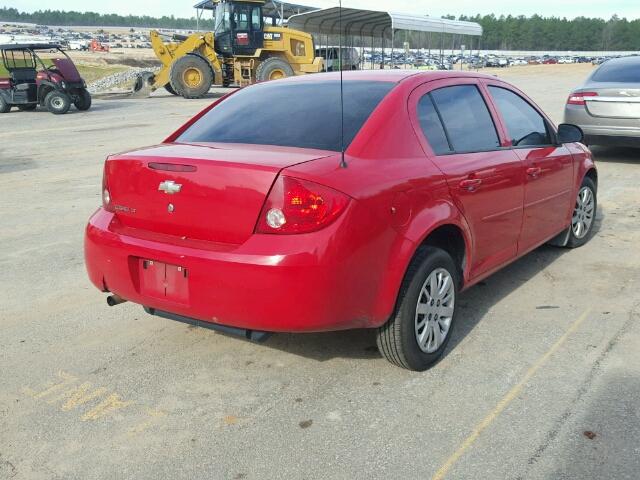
<point>83,102</point>
<point>584,214</point>
<point>57,103</point>
<point>417,334</point>
<point>191,76</point>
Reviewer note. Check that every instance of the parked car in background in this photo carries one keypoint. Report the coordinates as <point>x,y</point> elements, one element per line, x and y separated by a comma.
<point>265,225</point>
<point>607,106</point>
<point>331,55</point>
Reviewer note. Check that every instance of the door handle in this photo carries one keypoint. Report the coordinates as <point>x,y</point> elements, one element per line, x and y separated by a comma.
<point>534,172</point>
<point>471,184</point>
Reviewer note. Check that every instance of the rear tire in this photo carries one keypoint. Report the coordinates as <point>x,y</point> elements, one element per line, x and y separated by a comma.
<point>83,103</point>
<point>273,68</point>
<point>28,108</point>
<point>417,334</point>
<point>4,106</point>
<point>191,76</point>
<point>584,214</point>
<point>57,103</point>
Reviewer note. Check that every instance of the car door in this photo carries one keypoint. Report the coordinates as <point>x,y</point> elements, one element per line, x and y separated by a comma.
<point>548,166</point>
<point>457,130</point>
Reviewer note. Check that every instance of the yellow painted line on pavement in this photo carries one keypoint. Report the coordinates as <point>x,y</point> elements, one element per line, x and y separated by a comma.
<point>507,399</point>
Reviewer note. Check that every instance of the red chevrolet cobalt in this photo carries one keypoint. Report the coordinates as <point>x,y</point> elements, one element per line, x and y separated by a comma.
<point>250,220</point>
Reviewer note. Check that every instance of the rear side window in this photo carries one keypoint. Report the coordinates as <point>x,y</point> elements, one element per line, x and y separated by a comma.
<point>432,126</point>
<point>466,119</point>
<point>526,127</point>
<point>304,115</point>
<point>618,71</point>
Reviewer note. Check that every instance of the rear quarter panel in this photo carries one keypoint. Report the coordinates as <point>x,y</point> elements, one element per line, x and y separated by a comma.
<point>399,195</point>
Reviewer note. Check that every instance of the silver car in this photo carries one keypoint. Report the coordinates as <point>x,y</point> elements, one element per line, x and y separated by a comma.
<point>607,106</point>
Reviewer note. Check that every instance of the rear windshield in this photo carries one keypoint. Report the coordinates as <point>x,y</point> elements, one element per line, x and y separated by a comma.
<point>305,114</point>
<point>618,71</point>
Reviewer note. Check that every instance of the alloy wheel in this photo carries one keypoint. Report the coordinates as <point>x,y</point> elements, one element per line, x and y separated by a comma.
<point>584,212</point>
<point>434,311</point>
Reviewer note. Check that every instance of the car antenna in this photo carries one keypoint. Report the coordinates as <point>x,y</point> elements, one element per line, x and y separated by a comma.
<point>343,162</point>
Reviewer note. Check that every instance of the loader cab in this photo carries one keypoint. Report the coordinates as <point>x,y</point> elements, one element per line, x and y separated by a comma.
<point>239,27</point>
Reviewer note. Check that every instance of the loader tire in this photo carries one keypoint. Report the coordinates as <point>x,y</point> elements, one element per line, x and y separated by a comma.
<point>273,68</point>
<point>191,76</point>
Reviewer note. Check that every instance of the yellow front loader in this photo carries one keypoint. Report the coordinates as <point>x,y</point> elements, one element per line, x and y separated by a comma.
<point>241,51</point>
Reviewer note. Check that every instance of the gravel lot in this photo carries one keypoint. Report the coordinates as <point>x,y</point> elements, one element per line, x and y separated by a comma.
<point>541,380</point>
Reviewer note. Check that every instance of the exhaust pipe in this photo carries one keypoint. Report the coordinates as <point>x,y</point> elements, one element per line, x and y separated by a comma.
<point>113,300</point>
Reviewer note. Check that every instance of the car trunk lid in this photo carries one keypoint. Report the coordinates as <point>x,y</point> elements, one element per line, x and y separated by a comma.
<point>614,101</point>
<point>210,192</point>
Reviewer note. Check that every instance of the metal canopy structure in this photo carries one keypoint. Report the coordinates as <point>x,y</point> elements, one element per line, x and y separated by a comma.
<point>273,8</point>
<point>372,23</point>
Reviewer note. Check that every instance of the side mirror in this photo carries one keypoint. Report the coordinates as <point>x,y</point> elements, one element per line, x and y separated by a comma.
<point>568,133</point>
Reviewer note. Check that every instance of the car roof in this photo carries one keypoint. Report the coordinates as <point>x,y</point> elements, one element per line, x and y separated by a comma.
<point>393,76</point>
<point>29,46</point>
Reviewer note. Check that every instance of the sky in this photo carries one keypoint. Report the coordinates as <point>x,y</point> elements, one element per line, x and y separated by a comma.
<point>562,8</point>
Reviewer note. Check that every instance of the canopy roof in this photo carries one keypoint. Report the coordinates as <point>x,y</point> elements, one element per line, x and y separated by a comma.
<point>271,8</point>
<point>30,46</point>
<point>372,23</point>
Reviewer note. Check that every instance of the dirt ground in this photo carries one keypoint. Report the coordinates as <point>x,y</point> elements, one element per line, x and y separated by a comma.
<point>541,379</point>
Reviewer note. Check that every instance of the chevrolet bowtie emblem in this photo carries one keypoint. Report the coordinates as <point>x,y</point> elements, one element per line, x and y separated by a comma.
<point>170,187</point>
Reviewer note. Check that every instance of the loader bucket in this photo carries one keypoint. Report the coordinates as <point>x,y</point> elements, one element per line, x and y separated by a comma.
<point>142,88</point>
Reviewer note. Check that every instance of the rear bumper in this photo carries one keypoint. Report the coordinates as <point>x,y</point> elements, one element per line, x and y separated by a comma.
<point>612,140</point>
<point>271,283</point>
<point>604,130</point>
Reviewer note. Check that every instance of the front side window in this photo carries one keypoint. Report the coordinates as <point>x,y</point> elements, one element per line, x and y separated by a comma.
<point>222,18</point>
<point>526,127</point>
<point>277,113</point>
<point>466,119</point>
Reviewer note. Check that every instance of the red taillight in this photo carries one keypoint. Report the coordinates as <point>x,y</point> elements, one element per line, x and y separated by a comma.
<point>300,206</point>
<point>578,98</point>
<point>107,204</point>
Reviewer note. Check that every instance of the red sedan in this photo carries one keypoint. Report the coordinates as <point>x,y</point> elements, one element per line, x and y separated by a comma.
<point>250,220</point>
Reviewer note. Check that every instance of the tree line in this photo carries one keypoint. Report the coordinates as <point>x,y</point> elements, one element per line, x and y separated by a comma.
<point>90,19</point>
<point>553,33</point>
<point>500,32</point>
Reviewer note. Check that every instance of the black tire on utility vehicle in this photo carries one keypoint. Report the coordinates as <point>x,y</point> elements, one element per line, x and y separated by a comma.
<point>28,107</point>
<point>83,101</point>
<point>273,68</point>
<point>170,89</point>
<point>191,76</point>
<point>4,106</point>
<point>584,214</point>
<point>57,103</point>
<point>417,334</point>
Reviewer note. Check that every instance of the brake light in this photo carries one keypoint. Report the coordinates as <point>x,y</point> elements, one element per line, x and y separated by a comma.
<point>106,196</point>
<point>578,98</point>
<point>299,206</point>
